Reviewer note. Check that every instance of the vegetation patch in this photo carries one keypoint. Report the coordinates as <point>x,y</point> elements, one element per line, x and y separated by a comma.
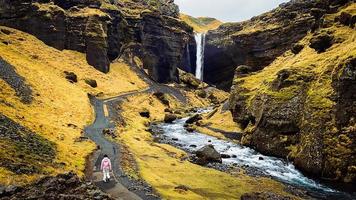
<point>201,24</point>
<point>17,82</point>
<point>301,90</point>
<point>22,151</point>
<point>59,110</point>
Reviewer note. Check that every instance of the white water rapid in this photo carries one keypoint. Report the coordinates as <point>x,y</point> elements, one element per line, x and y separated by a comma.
<point>200,41</point>
<point>242,156</point>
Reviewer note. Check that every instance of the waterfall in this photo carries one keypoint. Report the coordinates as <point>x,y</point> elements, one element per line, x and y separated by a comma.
<point>200,41</point>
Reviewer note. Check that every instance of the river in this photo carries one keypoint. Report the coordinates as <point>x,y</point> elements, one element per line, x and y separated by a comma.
<point>276,168</point>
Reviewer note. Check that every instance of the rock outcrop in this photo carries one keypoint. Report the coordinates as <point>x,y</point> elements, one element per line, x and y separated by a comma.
<point>257,42</point>
<point>302,106</point>
<point>63,186</point>
<point>107,30</point>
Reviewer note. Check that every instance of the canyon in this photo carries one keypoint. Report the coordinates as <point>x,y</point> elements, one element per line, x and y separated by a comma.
<point>186,108</point>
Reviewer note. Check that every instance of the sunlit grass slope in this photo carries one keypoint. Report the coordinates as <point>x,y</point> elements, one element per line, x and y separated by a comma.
<point>167,169</point>
<point>60,109</point>
<point>201,24</point>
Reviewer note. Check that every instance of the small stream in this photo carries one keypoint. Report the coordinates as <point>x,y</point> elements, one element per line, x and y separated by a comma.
<point>247,158</point>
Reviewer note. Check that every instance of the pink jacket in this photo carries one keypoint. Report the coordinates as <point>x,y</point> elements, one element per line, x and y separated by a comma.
<point>105,164</point>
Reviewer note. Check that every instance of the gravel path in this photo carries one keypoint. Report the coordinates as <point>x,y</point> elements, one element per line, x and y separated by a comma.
<point>120,186</point>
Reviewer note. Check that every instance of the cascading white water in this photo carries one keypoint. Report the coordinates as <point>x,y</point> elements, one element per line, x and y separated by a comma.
<point>243,156</point>
<point>200,41</point>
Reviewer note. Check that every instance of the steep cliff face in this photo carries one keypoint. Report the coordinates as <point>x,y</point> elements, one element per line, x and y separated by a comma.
<point>160,40</point>
<point>257,42</point>
<point>302,106</point>
<point>104,30</point>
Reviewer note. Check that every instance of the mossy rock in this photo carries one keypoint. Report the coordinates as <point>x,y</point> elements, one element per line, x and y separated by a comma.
<point>162,97</point>
<point>91,82</point>
<point>71,77</point>
<point>321,42</point>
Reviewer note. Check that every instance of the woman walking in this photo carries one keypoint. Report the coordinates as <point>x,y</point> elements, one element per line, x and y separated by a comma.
<point>106,168</point>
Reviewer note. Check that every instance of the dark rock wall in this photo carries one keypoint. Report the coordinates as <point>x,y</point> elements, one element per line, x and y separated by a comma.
<point>104,33</point>
<point>164,46</point>
<point>257,42</point>
<point>287,113</point>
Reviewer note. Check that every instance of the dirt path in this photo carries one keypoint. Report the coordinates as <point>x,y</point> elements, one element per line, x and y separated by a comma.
<point>120,186</point>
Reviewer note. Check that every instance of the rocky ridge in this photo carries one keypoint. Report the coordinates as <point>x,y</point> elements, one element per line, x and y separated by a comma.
<point>62,186</point>
<point>258,41</point>
<point>301,107</point>
<point>107,30</point>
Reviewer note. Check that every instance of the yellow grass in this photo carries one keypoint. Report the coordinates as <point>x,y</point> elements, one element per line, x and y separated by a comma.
<point>221,120</point>
<point>57,102</point>
<point>306,62</point>
<point>198,23</point>
<point>165,167</point>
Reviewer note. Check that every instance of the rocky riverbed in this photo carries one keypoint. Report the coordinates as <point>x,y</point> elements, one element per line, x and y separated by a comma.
<point>228,156</point>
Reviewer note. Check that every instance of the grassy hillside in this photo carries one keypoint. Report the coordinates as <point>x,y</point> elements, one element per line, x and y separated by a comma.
<point>59,110</point>
<point>305,90</point>
<point>201,24</point>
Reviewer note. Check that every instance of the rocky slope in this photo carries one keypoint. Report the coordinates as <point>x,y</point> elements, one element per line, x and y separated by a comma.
<point>302,105</point>
<point>258,41</point>
<point>107,30</point>
<point>62,186</point>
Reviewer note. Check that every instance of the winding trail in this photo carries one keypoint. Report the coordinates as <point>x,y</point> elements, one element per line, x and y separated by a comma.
<point>120,186</point>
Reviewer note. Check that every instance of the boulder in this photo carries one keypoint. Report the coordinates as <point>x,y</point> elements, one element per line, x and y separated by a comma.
<point>182,187</point>
<point>296,48</point>
<point>321,42</point>
<point>109,132</point>
<point>282,80</point>
<point>317,13</point>
<point>71,77</point>
<point>213,99</point>
<point>189,80</point>
<point>194,119</point>
<point>162,97</point>
<point>145,113</point>
<point>225,156</point>
<point>243,70</point>
<point>190,128</point>
<point>169,118</point>
<point>168,110</point>
<point>347,19</point>
<point>208,154</point>
<point>201,93</point>
<point>91,82</point>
